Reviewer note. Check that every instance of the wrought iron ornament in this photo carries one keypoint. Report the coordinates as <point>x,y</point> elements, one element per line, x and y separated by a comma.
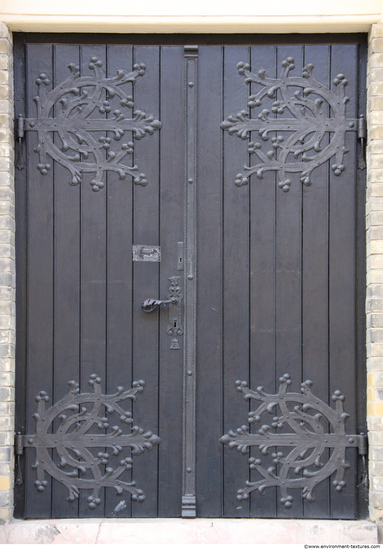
<point>74,440</point>
<point>299,421</point>
<point>292,114</point>
<point>68,130</point>
<point>174,328</point>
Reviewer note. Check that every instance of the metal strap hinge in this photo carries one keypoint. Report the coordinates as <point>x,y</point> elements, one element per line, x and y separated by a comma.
<point>362,448</point>
<point>362,136</point>
<point>20,134</point>
<point>302,424</point>
<point>362,444</point>
<point>19,444</point>
<point>19,451</point>
<point>68,138</point>
<point>67,431</point>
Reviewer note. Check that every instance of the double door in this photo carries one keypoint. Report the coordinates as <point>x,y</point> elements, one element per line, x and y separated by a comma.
<point>189,228</point>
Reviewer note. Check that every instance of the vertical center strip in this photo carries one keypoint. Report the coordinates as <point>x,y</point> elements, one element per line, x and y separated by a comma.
<point>190,284</point>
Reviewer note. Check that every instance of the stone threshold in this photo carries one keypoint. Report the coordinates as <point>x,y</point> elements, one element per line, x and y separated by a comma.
<point>189,531</point>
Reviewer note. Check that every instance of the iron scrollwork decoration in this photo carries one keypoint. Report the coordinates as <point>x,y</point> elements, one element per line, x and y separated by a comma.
<point>68,130</point>
<point>303,135</point>
<point>301,420</point>
<point>74,440</point>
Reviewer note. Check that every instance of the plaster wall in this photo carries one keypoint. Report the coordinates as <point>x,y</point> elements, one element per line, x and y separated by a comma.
<point>171,16</point>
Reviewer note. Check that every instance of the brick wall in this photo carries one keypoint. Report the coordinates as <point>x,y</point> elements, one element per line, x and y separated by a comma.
<point>7,275</point>
<point>374,304</point>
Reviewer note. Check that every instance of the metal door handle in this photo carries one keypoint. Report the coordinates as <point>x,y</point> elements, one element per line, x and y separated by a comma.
<point>150,304</point>
<point>175,297</point>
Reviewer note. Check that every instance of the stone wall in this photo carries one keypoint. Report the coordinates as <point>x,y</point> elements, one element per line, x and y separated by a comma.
<point>7,275</point>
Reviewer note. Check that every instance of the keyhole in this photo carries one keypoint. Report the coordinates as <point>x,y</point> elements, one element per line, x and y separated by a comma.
<point>175,323</point>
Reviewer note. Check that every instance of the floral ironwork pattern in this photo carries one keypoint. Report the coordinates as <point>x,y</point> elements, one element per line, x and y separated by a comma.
<point>299,421</point>
<point>78,447</point>
<point>68,124</point>
<point>293,116</point>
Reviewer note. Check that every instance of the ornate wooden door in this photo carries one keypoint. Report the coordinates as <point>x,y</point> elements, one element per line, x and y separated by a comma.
<point>176,268</point>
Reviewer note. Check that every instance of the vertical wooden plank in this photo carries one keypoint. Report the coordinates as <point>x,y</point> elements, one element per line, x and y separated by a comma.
<point>119,277</point>
<point>93,277</point>
<point>342,276</point>
<point>146,281</point>
<point>315,279</point>
<point>21,270</point>
<point>66,278</point>
<point>171,233</point>
<point>262,280</point>
<point>236,283</point>
<point>209,487</point>
<point>360,251</point>
<point>39,282</point>
<point>288,280</point>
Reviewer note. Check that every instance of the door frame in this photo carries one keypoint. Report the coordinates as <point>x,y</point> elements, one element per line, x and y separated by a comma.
<point>190,223</point>
<point>372,273</point>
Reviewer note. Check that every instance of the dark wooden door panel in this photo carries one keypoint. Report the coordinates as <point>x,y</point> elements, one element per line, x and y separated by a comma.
<point>279,283</point>
<point>87,313</point>
<point>275,273</point>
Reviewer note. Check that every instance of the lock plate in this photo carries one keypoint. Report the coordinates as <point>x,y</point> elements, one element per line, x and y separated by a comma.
<point>175,312</point>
